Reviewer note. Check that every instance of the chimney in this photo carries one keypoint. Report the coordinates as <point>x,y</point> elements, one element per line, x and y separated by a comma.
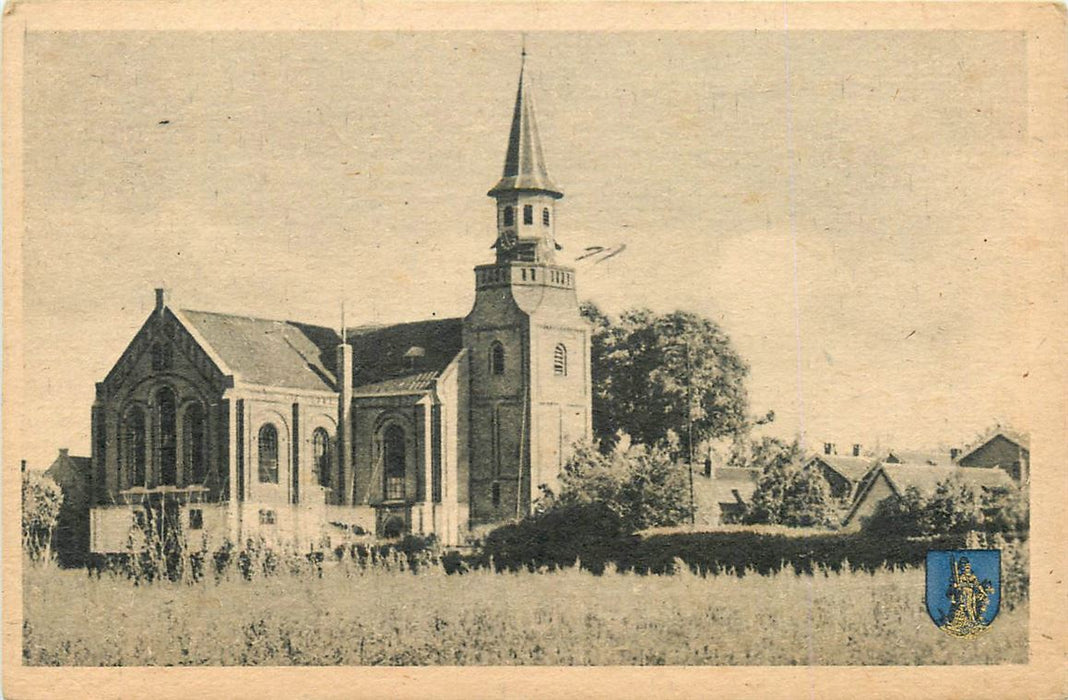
<point>856,449</point>
<point>828,447</point>
<point>344,420</point>
<point>954,452</point>
<point>161,298</point>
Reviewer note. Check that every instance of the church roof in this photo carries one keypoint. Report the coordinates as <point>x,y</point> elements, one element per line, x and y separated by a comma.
<point>270,353</point>
<point>387,359</point>
<point>404,357</point>
<point>524,164</point>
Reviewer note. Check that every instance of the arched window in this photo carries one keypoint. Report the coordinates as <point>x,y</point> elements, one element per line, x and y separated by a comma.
<point>560,360</point>
<point>167,417</point>
<point>268,449</point>
<point>394,459</point>
<point>509,216</point>
<point>133,446</point>
<point>496,358</point>
<point>321,456</point>
<point>194,449</point>
<point>545,216</point>
<point>528,214</point>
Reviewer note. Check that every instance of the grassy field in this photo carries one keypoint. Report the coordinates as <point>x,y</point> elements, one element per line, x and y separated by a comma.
<point>379,616</point>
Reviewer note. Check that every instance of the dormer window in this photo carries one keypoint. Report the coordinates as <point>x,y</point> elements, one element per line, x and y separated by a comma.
<point>509,216</point>
<point>414,355</point>
<point>528,214</point>
<point>545,216</point>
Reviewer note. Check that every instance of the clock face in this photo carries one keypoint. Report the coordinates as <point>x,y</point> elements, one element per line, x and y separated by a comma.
<point>507,240</point>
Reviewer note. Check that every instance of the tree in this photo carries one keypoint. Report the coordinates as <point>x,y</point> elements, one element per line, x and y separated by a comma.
<point>788,493</point>
<point>953,508</point>
<point>898,515</point>
<point>653,375</point>
<point>641,485</point>
<point>41,501</point>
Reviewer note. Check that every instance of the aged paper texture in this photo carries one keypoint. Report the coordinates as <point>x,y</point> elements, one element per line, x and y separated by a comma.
<point>534,349</point>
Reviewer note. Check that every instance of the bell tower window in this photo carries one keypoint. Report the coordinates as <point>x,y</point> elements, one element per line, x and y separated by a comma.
<point>560,360</point>
<point>528,214</point>
<point>508,216</point>
<point>496,359</point>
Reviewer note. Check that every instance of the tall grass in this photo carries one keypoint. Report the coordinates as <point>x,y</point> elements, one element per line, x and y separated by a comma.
<point>361,612</point>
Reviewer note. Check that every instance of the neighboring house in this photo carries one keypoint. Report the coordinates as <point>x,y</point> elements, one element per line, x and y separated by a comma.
<point>73,476</point>
<point>932,459</point>
<point>1005,449</point>
<point>889,479</point>
<point>722,499</point>
<point>226,426</point>
<point>843,473</point>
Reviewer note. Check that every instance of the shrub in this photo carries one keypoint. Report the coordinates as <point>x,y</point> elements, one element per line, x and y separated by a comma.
<point>788,493</point>
<point>41,502</point>
<point>591,532</point>
<point>640,485</point>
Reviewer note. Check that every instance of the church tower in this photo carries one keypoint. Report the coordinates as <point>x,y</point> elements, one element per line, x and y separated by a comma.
<point>528,346</point>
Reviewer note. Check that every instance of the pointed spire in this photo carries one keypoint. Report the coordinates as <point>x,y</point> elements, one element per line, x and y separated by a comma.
<point>524,164</point>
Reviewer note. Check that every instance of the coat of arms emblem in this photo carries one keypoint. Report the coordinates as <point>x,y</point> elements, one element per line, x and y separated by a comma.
<point>963,589</point>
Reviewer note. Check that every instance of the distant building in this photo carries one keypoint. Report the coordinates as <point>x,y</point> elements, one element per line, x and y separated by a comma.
<point>228,426</point>
<point>894,479</point>
<point>723,498</point>
<point>931,459</point>
<point>73,476</point>
<point>842,473</point>
<point>1004,449</point>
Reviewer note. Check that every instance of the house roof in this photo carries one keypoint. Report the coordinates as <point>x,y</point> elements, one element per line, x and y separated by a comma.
<point>918,457</point>
<point>852,468</point>
<point>387,359</point>
<point>925,478</point>
<point>68,469</point>
<point>1017,438</point>
<point>726,487</point>
<point>271,353</point>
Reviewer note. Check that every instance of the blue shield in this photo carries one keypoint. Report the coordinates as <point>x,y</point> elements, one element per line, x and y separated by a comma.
<point>963,589</point>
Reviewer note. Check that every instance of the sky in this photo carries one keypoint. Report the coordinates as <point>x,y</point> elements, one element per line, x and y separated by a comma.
<point>848,206</point>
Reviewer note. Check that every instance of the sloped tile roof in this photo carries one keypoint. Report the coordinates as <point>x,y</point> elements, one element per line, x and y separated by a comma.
<point>302,356</point>
<point>852,468</point>
<point>382,362</point>
<point>919,457</point>
<point>925,478</point>
<point>271,353</point>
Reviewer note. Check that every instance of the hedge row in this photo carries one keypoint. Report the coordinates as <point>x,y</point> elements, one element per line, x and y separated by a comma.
<point>593,536</point>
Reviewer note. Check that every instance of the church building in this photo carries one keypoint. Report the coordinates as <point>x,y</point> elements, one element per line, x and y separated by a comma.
<point>224,426</point>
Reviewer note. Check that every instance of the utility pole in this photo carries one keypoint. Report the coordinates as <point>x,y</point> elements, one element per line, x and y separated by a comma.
<point>689,428</point>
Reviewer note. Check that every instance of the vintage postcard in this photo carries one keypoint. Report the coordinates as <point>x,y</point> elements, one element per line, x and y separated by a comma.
<point>534,350</point>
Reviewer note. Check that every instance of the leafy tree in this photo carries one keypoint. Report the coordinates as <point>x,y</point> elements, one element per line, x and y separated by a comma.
<point>954,507</point>
<point>898,515</point>
<point>642,486</point>
<point>788,493</point>
<point>41,501</point>
<point>1005,509</point>
<point>653,373</point>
